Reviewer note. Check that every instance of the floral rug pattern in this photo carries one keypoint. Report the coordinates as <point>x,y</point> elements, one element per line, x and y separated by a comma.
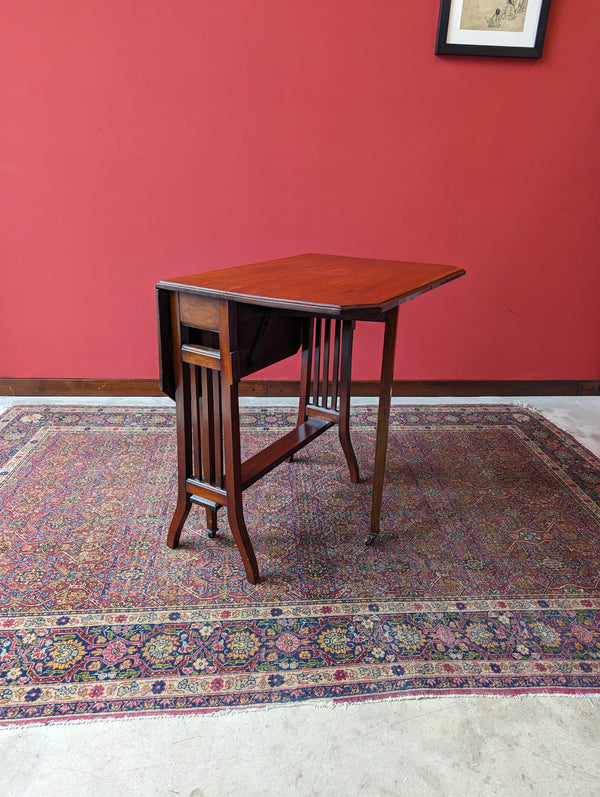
<point>485,578</point>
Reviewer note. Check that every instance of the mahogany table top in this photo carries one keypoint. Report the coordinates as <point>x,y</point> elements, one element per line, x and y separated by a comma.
<point>332,285</point>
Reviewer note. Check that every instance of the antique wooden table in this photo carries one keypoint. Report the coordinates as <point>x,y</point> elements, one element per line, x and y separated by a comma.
<point>219,326</point>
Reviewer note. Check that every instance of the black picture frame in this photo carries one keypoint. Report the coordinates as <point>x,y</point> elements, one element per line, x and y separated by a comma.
<point>488,40</point>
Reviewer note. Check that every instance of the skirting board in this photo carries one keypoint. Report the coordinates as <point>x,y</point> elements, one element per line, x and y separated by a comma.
<point>149,387</point>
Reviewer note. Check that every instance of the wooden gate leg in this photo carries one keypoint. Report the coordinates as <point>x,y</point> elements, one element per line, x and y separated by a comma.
<point>344,422</point>
<point>305,374</point>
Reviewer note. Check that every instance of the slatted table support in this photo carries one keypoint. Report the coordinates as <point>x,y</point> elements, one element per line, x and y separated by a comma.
<point>211,472</point>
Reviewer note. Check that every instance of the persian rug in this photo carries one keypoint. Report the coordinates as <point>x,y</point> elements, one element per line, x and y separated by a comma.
<point>485,579</point>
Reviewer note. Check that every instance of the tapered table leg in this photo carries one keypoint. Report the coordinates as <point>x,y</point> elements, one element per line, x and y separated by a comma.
<point>344,421</point>
<point>305,383</point>
<point>383,419</point>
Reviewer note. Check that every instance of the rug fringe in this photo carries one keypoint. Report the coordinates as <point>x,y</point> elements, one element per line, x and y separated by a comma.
<point>341,704</point>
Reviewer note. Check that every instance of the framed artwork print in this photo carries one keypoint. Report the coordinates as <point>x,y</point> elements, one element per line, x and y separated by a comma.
<point>492,27</point>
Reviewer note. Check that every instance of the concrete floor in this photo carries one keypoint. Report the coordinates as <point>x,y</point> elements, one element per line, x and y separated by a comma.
<point>440,746</point>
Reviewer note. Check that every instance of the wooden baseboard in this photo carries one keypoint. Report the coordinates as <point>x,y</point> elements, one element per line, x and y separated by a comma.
<point>275,388</point>
<point>79,387</point>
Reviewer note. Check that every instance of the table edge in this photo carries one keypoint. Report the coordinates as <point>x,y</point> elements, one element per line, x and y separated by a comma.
<point>358,311</point>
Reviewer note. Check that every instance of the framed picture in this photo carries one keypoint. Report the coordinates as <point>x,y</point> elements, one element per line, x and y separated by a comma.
<point>492,27</point>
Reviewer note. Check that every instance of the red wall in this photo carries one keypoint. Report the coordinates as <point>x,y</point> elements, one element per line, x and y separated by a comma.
<point>143,139</point>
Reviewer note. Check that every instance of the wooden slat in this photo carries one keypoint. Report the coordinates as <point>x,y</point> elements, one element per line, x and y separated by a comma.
<point>196,434</point>
<point>217,448</point>
<point>336,364</point>
<point>325,370</point>
<point>316,361</point>
<point>322,412</point>
<point>205,502</point>
<point>201,356</point>
<point>206,437</point>
<point>204,490</point>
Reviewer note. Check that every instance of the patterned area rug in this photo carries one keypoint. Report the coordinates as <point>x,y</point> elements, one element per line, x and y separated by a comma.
<point>485,579</point>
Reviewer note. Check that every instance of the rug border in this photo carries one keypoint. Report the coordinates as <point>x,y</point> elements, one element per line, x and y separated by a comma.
<point>593,602</point>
